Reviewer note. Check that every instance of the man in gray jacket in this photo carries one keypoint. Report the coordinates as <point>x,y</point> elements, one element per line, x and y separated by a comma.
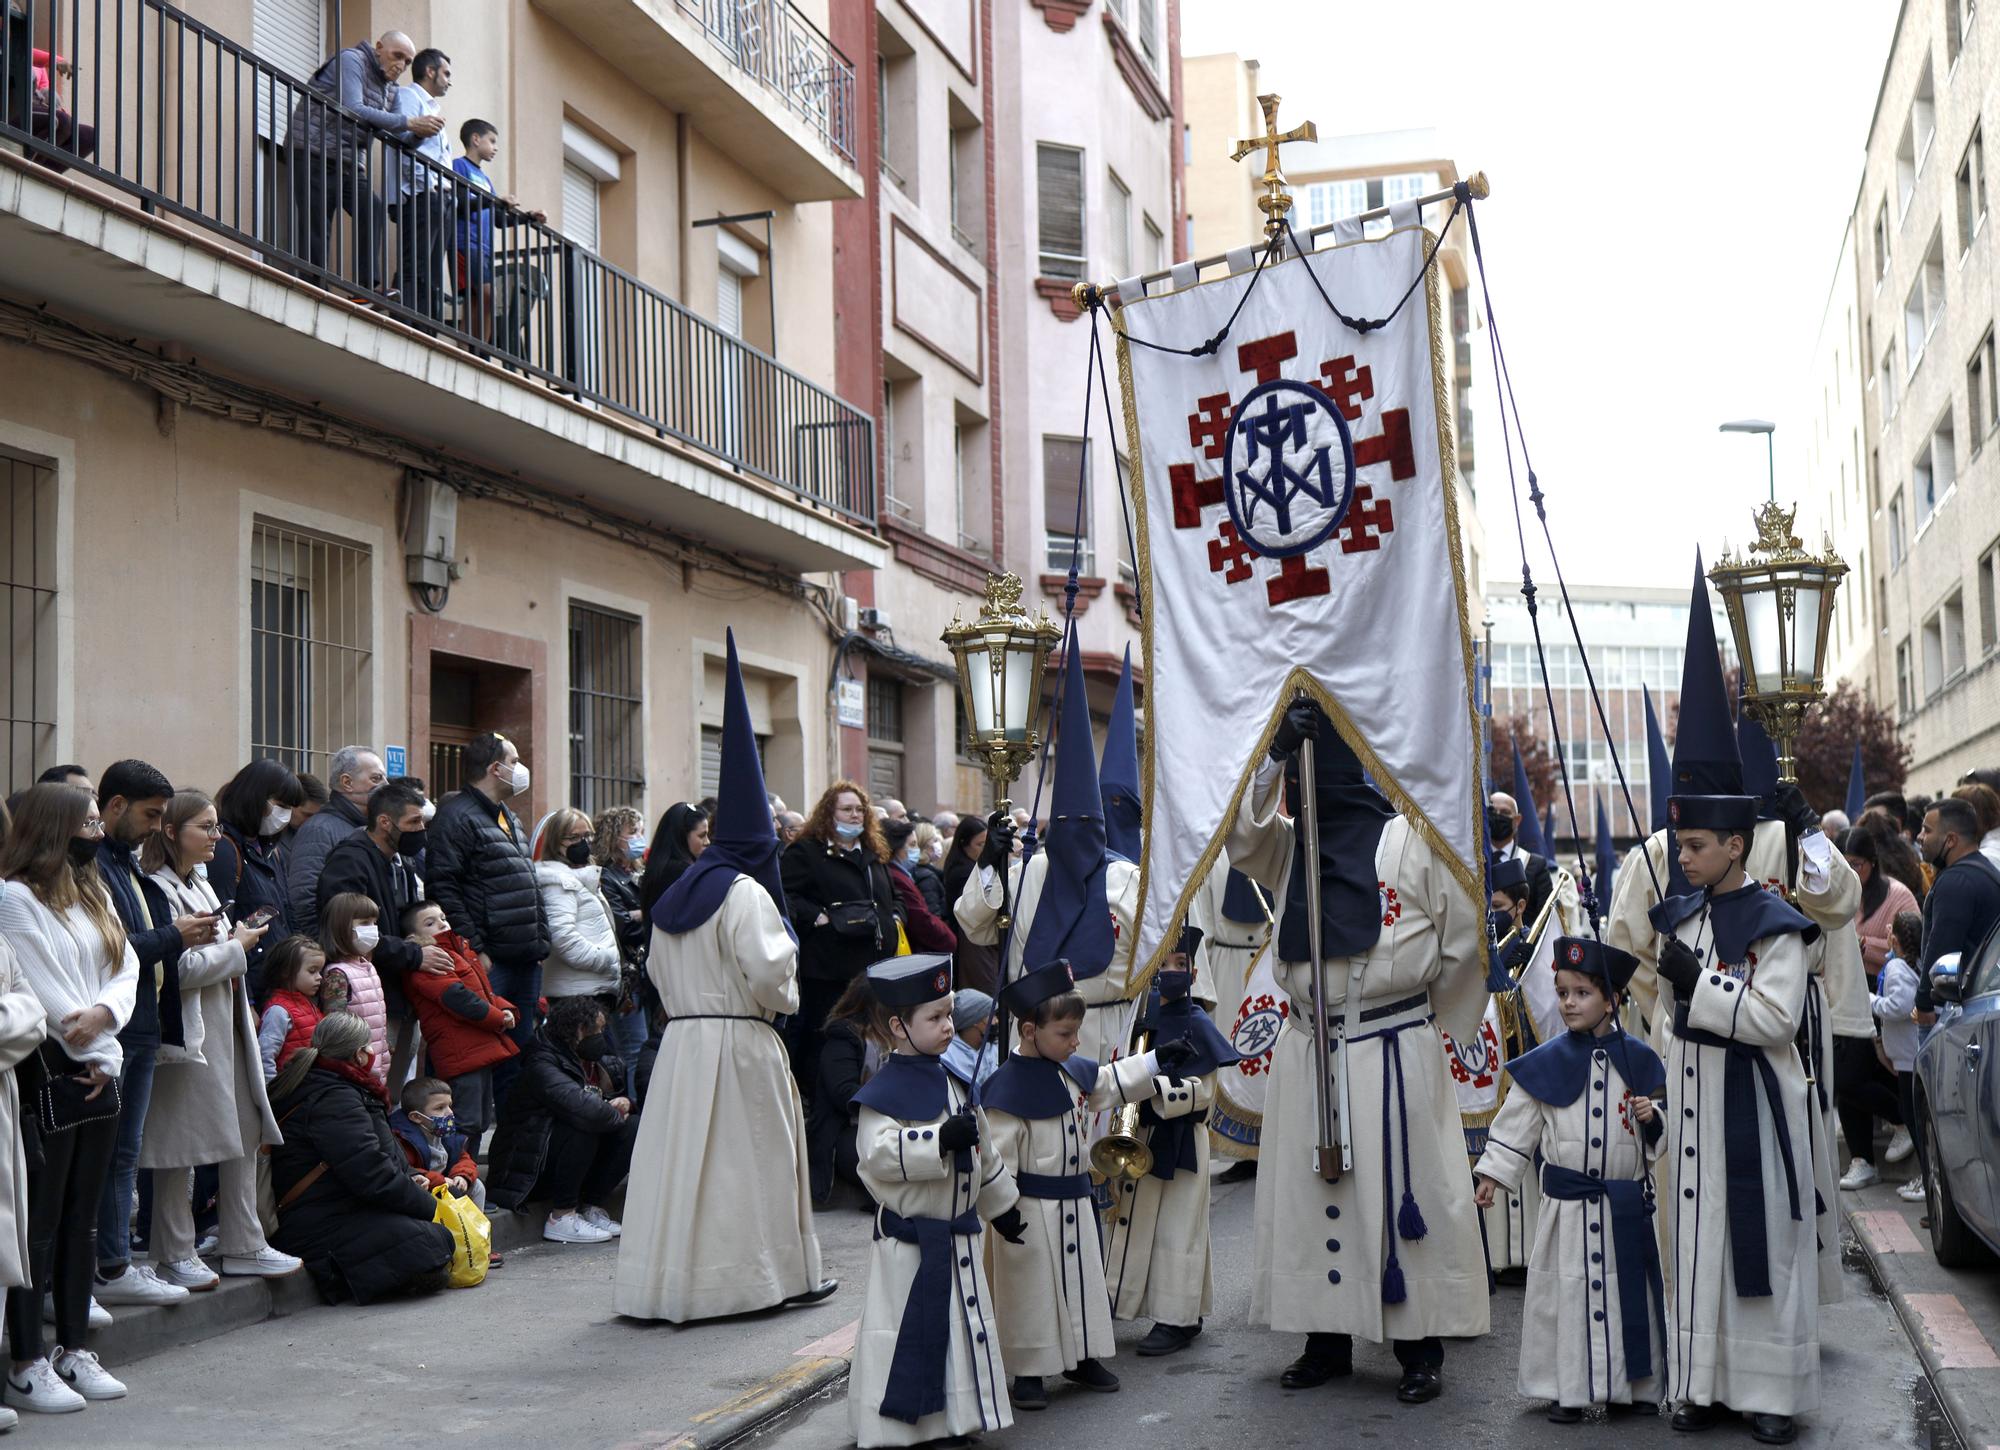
<point>352,776</point>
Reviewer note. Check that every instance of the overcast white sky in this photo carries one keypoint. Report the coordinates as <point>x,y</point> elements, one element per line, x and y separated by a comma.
<point>1669,188</point>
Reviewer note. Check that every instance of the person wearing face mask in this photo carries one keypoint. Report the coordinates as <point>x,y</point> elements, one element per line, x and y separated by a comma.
<point>1503,819</point>
<point>256,809</point>
<point>378,863</point>
<point>926,869</point>
<point>354,773</point>
<point>620,848</point>
<point>482,872</point>
<point>567,1129</point>
<point>1964,899</point>
<point>348,1203</point>
<point>925,930</point>
<point>583,945</point>
<point>349,934</point>
<point>843,906</point>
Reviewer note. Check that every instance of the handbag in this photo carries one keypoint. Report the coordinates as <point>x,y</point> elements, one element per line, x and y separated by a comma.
<point>856,919</point>
<point>471,1238</point>
<point>61,1102</point>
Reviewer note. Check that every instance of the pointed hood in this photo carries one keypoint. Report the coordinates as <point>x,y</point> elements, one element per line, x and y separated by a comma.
<point>1073,917</point>
<point>1706,761</point>
<point>1760,766</point>
<point>1857,787</point>
<point>1549,828</point>
<point>1118,772</point>
<point>1528,830</point>
<point>1659,767</point>
<point>741,840</point>
<point>1606,865</point>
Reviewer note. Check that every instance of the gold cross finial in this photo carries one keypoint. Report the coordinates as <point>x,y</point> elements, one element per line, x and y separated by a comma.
<point>1275,201</point>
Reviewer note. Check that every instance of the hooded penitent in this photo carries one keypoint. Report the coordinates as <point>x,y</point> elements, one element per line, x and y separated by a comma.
<point>1760,766</point>
<point>1706,761</point>
<point>741,839</point>
<point>1528,831</point>
<point>1118,772</point>
<point>1073,917</point>
<point>1352,814</point>
<point>1659,767</point>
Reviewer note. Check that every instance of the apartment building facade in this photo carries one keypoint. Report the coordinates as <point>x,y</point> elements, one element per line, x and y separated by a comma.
<point>1924,263</point>
<point>1834,501</point>
<point>264,500</point>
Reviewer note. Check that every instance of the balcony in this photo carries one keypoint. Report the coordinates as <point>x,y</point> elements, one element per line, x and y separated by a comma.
<point>757,78</point>
<point>533,340</point>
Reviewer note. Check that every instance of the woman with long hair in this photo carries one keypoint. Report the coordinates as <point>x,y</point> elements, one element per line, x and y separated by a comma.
<point>255,810</point>
<point>1865,1084</point>
<point>57,916</point>
<point>620,849</point>
<point>678,842</point>
<point>583,945</point>
<point>1894,853</point>
<point>843,907</point>
<point>973,964</point>
<point>209,1104</point>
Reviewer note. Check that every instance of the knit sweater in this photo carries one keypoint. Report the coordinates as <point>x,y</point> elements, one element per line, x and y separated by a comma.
<point>62,957</point>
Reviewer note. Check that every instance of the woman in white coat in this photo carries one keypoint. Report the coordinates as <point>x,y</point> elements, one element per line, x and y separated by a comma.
<point>209,1103</point>
<point>583,956</point>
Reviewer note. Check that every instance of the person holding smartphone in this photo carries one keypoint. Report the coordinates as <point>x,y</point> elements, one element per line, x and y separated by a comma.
<point>247,873</point>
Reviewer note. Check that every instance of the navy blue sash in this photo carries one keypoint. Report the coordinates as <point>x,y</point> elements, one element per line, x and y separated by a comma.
<point>1172,1140</point>
<point>1053,1185</point>
<point>1743,1152</point>
<point>917,1370</point>
<point>1635,1250</point>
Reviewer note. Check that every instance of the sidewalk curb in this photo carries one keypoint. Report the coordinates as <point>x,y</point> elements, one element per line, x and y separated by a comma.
<point>761,1404</point>
<point>1885,1273</point>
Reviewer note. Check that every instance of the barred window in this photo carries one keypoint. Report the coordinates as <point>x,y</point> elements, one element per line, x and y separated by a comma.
<point>312,621</point>
<point>607,753</point>
<point>885,739</point>
<point>29,532</point>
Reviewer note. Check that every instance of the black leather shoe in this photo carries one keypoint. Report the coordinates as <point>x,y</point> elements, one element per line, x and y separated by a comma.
<point>1773,1429</point>
<point>1027,1393</point>
<point>1241,1171</point>
<point>1564,1414</point>
<point>1691,1416</point>
<point>1637,1407</point>
<point>1309,1371</point>
<point>1420,1385</point>
<point>1092,1375</point>
<point>1165,1338</point>
<point>812,1296</point>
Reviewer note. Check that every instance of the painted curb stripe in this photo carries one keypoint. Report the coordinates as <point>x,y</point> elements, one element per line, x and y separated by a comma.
<point>1957,1340</point>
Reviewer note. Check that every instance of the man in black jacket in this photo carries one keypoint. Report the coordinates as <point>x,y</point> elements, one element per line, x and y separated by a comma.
<point>354,774</point>
<point>1964,901</point>
<point>131,798</point>
<point>378,863</point>
<point>1503,819</point>
<point>482,872</point>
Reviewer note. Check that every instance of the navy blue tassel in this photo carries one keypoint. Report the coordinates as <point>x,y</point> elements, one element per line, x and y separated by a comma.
<point>1393,1290</point>
<point>1409,1218</point>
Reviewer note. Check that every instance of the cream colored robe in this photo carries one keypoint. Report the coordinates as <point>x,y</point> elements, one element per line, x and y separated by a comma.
<point>1156,1261</point>
<point>1321,1248</point>
<point>23,1025</point>
<point>903,1169</point>
<point>1755,1355</point>
<point>718,1211</point>
<point>1572,1329</point>
<point>1107,1020</point>
<point>1829,893</point>
<point>1054,1309</point>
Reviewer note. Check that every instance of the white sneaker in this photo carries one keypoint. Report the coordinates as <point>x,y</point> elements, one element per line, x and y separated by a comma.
<point>40,1392</point>
<point>266,1263</point>
<point>140,1285</point>
<point>1900,1146</point>
<point>1859,1174</point>
<point>208,1247</point>
<point>598,1218</point>
<point>8,1419</point>
<point>81,1372</point>
<point>571,1228</point>
<point>191,1274</point>
<point>100,1317</point>
<point>1912,1192</point>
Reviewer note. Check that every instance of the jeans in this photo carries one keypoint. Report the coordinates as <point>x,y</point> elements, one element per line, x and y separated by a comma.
<point>114,1206</point>
<point>628,1035</point>
<point>584,1167</point>
<point>62,1242</point>
<point>521,984</point>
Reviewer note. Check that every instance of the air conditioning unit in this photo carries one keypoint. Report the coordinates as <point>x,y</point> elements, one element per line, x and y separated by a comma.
<point>873,618</point>
<point>850,613</point>
<point>430,537</point>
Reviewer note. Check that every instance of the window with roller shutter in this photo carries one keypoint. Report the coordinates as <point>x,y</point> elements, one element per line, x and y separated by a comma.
<point>1064,473</point>
<point>290,35</point>
<point>711,758</point>
<point>885,739</point>
<point>1059,211</point>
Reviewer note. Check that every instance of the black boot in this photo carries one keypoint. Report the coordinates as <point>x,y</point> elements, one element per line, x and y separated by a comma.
<point>1691,1416</point>
<point>1165,1338</point>
<point>1327,1356</point>
<point>1092,1375</point>
<point>1564,1414</point>
<point>1027,1393</point>
<point>1773,1429</point>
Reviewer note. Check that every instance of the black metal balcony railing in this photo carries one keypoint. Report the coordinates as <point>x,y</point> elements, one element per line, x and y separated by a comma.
<point>195,125</point>
<point>791,56</point>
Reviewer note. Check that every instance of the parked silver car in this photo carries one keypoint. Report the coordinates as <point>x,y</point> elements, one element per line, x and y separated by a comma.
<point>1958,1101</point>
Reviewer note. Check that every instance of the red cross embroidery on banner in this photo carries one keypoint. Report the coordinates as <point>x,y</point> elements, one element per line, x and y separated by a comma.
<point>1368,519</point>
<point>1229,556</point>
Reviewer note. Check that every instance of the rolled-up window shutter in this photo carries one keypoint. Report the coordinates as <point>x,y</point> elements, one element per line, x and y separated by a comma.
<point>1059,202</point>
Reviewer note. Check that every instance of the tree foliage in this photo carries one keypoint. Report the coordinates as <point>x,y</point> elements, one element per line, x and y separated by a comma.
<point>1826,747</point>
<point>1518,732</point>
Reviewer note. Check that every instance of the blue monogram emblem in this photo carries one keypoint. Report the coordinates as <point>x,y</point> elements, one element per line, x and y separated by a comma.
<point>1290,468</point>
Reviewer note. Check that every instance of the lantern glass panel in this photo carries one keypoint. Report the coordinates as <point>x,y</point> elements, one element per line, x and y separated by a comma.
<point>979,689</point>
<point>1805,649</point>
<point>1760,635</point>
<point>1019,699</point>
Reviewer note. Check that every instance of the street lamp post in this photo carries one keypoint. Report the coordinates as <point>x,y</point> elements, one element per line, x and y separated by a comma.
<point>1758,425</point>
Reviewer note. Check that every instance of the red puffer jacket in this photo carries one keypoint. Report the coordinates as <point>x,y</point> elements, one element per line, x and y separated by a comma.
<point>460,1013</point>
<point>304,1015</point>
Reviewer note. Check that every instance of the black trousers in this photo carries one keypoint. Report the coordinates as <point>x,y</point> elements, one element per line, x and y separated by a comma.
<point>1426,1353</point>
<point>804,1032</point>
<point>585,1167</point>
<point>1864,1090</point>
<point>62,1236</point>
<point>423,223</point>
<point>1906,1093</point>
<point>322,186</point>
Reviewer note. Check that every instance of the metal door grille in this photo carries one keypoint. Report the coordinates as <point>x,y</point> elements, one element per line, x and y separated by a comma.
<point>30,582</point>
<point>312,623</point>
<point>607,758</point>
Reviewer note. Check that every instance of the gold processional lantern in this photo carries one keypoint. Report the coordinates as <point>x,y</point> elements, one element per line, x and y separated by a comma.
<point>1780,607</point>
<point>1001,658</point>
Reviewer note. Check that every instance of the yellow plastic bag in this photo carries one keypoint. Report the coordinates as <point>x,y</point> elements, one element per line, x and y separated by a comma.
<point>471,1237</point>
<point>902,941</point>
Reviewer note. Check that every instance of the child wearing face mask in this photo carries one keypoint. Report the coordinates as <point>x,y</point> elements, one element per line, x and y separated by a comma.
<point>349,932</point>
<point>434,1141</point>
<point>465,1022</point>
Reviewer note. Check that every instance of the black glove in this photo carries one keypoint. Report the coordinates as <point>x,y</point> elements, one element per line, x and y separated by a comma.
<point>1679,965</point>
<point>999,840</point>
<point>1517,954</point>
<point>1301,723</point>
<point>1011,1226</point>
<point>1174,1058</point>
<point>1793,810</point>
<point>960,1130</point>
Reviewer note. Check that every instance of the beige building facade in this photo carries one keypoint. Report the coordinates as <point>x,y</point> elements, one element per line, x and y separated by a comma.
<point>1924,263</point>
<point>1834,500</point>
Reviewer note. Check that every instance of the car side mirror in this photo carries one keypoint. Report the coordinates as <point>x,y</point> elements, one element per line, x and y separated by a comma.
<point>1946,983</point>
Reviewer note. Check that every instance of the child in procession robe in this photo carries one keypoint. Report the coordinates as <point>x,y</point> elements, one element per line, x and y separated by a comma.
<point>1157,1261</point>
<point>1507,1224</point>
<point>927,1365</point>
<point>1053,1307</point>
<point>1744,1283</point>
<point>1593,1328</point>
